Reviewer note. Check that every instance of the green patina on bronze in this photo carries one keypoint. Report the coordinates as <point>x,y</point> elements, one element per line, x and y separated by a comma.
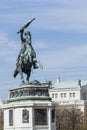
<point>27,59</point>
<point>30,92</point>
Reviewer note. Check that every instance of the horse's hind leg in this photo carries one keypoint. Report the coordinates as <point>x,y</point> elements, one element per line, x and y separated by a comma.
<point>28,76</point>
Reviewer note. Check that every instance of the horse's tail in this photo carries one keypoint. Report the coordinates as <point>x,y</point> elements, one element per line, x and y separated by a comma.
<point>15,73</point>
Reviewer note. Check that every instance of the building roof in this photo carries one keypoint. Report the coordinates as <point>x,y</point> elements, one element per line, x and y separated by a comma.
<point>69,84</point>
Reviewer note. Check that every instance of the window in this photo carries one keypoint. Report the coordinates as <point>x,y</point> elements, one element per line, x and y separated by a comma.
<point>53,95</point>
<point>53,116</point>
<point>56,95</point>
<point>70,94</point>
<point>40,116</point>
<point>73,94</point>
<point>61,95</point>
<point>10,117</point>
<point>25,116</point>
<point>64,95</point>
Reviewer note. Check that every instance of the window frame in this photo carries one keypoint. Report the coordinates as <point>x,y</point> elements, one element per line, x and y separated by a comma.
<point>11,117</point>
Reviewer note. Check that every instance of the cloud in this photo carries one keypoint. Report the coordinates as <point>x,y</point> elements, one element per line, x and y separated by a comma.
<point>8,51</point>
<point>40,45</point>
<point>50,15</point>
<point>70,62</point>
<point>70,57</point>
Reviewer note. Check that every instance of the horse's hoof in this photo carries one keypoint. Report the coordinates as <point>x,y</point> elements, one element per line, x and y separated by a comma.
<point>27,82</point>
<point>22,83</point>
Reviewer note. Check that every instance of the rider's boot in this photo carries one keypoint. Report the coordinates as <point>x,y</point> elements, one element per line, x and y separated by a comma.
<point>35,66</point>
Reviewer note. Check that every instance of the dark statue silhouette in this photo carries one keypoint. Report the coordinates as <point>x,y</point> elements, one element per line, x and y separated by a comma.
<point>27,57</point>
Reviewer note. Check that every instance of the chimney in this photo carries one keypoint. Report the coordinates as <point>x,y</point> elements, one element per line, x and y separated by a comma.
<point>58,80</point>
<point>79,83</point>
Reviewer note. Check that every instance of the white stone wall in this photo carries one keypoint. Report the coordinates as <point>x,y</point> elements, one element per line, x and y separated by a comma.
<point>64,95</point>
<point>6,117</point>
<point>17,119</point>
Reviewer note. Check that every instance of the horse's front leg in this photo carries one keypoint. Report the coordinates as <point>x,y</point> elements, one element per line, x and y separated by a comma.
<point>22,78</point>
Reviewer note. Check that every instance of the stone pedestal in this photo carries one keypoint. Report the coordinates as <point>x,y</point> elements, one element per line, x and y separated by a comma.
<point>29,107</point>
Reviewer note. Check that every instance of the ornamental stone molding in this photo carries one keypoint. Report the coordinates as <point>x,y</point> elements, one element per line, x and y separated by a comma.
<point>29,92</point>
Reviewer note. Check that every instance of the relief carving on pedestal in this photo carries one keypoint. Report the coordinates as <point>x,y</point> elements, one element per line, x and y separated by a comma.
<point>25,116</point>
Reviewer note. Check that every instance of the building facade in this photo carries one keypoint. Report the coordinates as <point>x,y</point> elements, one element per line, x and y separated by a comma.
<point>70,93</point>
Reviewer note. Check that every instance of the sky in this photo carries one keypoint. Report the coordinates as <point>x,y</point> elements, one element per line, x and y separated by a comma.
<point>59,38</point>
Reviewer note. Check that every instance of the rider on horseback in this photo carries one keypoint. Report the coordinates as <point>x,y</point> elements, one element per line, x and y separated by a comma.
<point>27,53</point>
<point>27,56</point>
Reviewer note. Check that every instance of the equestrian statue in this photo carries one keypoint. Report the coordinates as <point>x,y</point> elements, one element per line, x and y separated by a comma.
<point>27,57</point>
